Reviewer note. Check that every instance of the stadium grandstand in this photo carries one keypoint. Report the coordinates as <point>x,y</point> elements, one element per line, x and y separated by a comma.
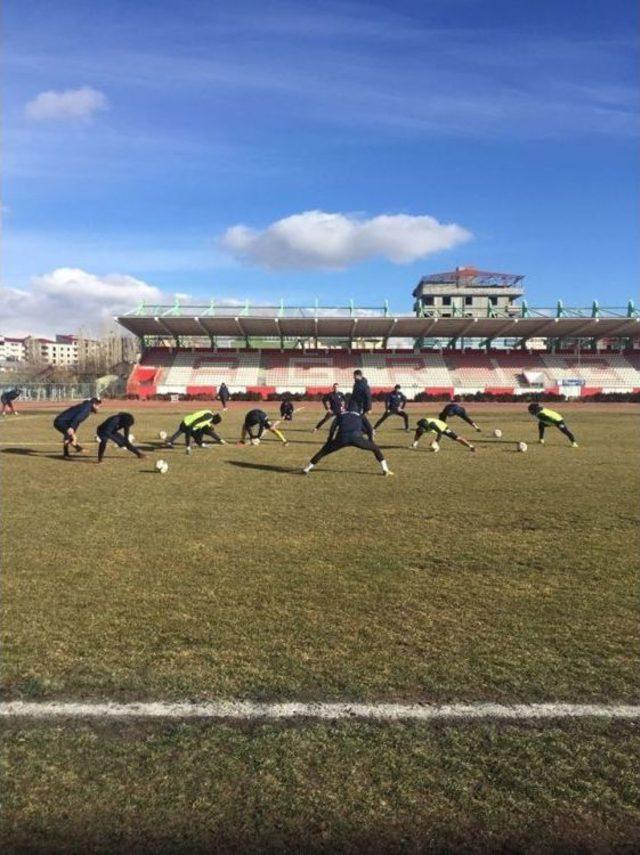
<point>467,335</point>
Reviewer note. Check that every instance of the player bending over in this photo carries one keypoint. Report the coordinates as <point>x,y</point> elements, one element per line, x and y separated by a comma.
<point>7,398</point>
<point>195,426</point>
<point>549,418</point>
<point>350,429</point>
<point>440,429</point>
<point>394,405</point>
<point>454,408</point>
<point>116,428</point>
<point>287,410</point>
<point>334,404</point>
<point>68,422</point>
<point>255,424</point>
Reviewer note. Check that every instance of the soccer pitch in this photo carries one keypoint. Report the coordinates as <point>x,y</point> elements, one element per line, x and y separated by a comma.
<point>495,577</point>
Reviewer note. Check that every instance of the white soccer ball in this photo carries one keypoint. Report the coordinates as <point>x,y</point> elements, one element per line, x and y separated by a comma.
<point>160,464</point>
<point>131,437</point>
<point>162,435</point>
<point>497,433</point>
<point>435,447</point>
<point>165,468</point>
<point>255,441</point>
<point>522,446</point>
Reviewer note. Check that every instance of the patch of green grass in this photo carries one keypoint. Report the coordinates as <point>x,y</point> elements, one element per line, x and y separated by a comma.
<point>491,576</point>
<point>316,788</point>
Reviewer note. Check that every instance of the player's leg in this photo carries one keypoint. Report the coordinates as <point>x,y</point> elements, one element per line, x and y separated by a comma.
<point>460,439</point>
<point>323,420</point>
<point>209,431</point>
<point>273,429</point>
<point>565,430</point>
<point>330,446</point>
<point>470,422</point>
<point>369,445</point>
<point>382,419</point>
<point>173,438</point>
<point>102,447</point>
<point>405,418</point>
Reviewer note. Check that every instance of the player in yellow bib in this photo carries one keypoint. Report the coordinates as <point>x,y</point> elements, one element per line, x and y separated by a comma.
<point>549,418</point>
<point>440,428</point>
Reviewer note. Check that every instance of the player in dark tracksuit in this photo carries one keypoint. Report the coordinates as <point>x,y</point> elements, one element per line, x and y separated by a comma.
<point>223,395</point>
<point>360,394</point>
<point>68,422</point>
<point>350,429</point>
<point>394,405</point>
<point>334,404</point>
<point>116,428</point>
<point>549,418</point>
<point>287,410</point>
<point>255,424</point>
<point>195,426</point>
<point>7,398</point>
<point>440,429</point>
<point>453,408</point>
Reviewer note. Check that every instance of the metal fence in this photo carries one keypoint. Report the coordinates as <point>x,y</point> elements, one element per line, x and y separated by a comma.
<point>52,391</point>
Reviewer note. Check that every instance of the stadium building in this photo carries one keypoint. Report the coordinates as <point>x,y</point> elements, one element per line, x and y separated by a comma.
<point>470,332</point>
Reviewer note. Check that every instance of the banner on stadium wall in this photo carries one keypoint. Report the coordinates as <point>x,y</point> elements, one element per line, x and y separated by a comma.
<point>573,381</point>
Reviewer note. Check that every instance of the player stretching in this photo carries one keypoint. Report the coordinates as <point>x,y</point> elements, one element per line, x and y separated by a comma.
<point>195,426</point>
<point>440,429</point>
<point>549,418</point>
<point>68,422</point>
<point>350,429</point>
<point>116,428</point>
<point>7,398</point>
<point>454,408</point>
<point>334,404</point>
<point>287,410</point>
<point>255,424</point>
<point>394,405</point>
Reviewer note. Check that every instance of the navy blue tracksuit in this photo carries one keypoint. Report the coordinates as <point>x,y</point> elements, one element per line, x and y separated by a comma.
<point>394,404</point>
<point>334,404</point>
<point>361,396</point>
<point>73,417</point>
<point>287,410</point>
<point>116,429</point>
<point>454,409</point>
<point>349,429</point>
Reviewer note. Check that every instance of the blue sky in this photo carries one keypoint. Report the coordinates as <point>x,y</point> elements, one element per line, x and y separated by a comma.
<point>512,125</point>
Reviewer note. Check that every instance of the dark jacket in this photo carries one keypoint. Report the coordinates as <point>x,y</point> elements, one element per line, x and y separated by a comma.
<point>112,424</point>
<point>395,401</point>
<point>11,394</point>
<point>361,395</point>
<point>452,409</point>
<point>74,416</point>
<point>286,408</point>
<point>223,392</point>
<point>348,425</point>
<point>334,401</point>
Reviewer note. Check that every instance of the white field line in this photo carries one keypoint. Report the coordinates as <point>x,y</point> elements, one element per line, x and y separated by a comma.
<point>250,711</point>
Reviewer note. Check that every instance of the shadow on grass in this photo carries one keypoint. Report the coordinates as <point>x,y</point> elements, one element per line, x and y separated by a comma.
<point>30,452</point>
<point>265,467</point>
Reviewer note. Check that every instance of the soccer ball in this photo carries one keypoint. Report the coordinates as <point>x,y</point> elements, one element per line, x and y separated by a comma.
<point>131,437</point>
<point>162,435</point>
<point>162,466</point>
<point>255,441</point>
<point>497,433</point>
<point>435,447</point>
<point>522,446</point>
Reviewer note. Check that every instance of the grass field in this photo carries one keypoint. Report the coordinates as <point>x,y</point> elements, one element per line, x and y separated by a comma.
<point>496,576</point>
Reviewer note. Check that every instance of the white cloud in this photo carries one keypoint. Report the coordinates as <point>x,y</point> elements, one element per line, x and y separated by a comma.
<point>319,240</point>
<point>74,104</point>
<point>69,298</point>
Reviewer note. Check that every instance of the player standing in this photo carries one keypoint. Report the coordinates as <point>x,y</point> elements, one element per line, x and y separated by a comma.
<point>360,394</point>
<point>350,429</point>
<point>68,422</point>
<point>116,428</point>
<point>334,404</point>
<point>394,405</point>
<point>549,418</point>
<point>223,395</point>
<point>441,429</point>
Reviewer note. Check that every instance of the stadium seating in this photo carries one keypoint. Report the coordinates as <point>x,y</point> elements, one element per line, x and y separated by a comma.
<point>201,371</point>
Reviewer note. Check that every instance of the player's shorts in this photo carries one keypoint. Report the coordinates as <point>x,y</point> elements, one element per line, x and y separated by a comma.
<point>61,426</point>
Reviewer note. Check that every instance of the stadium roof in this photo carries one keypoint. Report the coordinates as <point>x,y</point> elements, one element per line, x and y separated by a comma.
<point>471,276</point>
<point>264,322</point>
